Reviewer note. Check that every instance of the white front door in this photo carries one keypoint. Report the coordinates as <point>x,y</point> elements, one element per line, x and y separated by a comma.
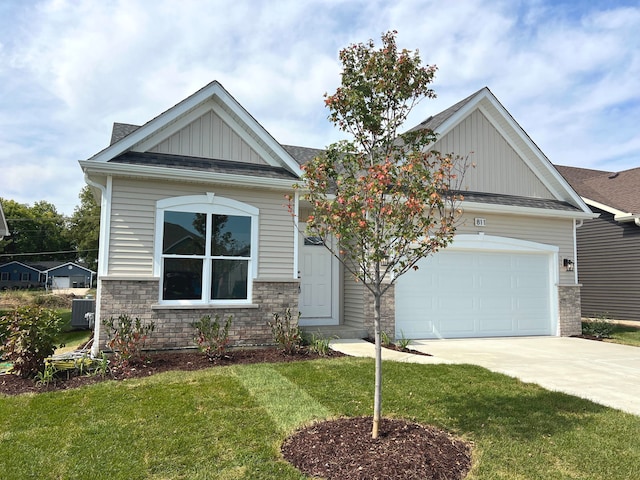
<point>318,276</point>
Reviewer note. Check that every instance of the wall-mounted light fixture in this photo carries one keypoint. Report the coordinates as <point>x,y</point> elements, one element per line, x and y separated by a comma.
<point>568,264</point>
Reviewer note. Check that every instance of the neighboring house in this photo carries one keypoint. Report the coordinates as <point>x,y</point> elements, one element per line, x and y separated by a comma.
<point>608,246</point>
<point>50,275</point>
<point>194,223</point>
<point>19,275</point>
<point>4,228</point>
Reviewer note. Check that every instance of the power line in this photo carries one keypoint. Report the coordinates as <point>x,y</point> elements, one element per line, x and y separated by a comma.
<point>46,253</point>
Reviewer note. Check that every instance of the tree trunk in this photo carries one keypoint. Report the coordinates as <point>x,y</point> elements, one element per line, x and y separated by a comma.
<point>377,396</point>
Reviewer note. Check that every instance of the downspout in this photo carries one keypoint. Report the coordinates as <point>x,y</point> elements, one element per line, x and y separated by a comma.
<point>576,225</point>
<point>103,253</point>
<point>296,235</point>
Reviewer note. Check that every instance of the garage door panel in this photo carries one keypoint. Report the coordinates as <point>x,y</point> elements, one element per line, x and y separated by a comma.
<point>476,293</point>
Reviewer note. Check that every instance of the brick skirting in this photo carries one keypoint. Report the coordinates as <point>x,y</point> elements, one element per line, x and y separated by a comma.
<point>173,330</point>
<point>569,310</point>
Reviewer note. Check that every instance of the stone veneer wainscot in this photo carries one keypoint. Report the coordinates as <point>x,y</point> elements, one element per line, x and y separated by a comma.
<point>173,330</point>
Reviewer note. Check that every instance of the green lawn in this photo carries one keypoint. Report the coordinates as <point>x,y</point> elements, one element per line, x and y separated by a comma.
<point>626,335</point>
<point>228,423</point>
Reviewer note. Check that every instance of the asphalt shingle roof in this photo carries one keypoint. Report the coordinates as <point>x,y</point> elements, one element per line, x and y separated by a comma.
<point>615,189</point>
<point>515,201</point>
<point>203,164</point>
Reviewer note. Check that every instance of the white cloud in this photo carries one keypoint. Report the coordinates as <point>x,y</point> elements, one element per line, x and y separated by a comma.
<point>568,72</point>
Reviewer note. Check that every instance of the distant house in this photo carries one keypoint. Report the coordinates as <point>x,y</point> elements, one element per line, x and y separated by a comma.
<point>608,246</point>
<point>4,228</point>
<point>50,275</point>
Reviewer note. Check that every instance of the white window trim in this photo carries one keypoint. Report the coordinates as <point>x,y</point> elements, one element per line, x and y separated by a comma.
<point>208,204</point>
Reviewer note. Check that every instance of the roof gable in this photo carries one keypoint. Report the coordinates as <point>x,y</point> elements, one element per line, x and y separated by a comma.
<point>212,98</point>
<point>505,144</point>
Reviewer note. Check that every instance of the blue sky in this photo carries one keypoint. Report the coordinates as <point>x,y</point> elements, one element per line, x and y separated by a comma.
<point>568,71</point>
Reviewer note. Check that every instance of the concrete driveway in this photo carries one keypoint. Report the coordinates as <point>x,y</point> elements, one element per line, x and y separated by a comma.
<point>605,373</point>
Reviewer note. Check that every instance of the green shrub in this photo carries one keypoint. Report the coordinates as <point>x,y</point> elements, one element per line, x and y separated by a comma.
<point>286,332</point>
<point>28,336</point>
<point>599,327</point>
<point>46,376</point>
<point>402,343</point>
<point>385,339</point>
<point>212,337</point>
<point>127,337</point>
<point>319,345</point>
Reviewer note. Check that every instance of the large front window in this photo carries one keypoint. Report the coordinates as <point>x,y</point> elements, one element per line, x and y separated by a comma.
<point>206,253</point>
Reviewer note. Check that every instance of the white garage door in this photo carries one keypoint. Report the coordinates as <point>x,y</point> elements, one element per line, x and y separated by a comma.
<point>480,292</point>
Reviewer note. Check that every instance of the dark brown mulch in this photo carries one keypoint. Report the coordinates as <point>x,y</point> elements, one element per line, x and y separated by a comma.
<point>393,346</point>
<point>343,449</point>
<point>157,363</point>
<point>335,449</point>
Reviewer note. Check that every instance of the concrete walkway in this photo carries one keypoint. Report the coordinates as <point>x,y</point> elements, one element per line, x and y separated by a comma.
<point>605,373</point>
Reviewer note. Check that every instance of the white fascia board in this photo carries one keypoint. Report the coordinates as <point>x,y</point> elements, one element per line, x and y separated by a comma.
<point>474,103</point>
<point>608,209</point>
<point>511,209</point>
<point>157,123</point>
<point>176,174</point>
<point>265,136</point>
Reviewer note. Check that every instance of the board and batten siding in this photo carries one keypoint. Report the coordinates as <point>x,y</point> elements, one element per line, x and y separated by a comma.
<point>209,136</point>
<point>498,167</point>
<point>609,267</point>
<point>133,215</point>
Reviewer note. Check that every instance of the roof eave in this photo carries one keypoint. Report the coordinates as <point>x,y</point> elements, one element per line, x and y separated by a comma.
<point>163,173</point>
<point>536,212</point>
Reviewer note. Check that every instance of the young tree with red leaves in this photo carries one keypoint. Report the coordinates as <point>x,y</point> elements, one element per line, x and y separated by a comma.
<point>382,200</point>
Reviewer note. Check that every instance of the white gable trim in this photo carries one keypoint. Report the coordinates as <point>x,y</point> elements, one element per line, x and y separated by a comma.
<point>4,228</point>
<point>175,114</point>
<point>542,168</point>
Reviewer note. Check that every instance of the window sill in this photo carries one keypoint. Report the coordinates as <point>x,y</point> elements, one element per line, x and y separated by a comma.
<point>205,306</point>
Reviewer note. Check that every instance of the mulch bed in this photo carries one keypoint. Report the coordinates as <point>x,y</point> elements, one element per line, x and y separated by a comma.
<point>334,449</point>
<point>393,346</point>
<point>344,450</point>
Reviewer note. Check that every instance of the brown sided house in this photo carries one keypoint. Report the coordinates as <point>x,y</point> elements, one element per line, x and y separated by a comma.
<point>194,222</point>
<point>608,246</point>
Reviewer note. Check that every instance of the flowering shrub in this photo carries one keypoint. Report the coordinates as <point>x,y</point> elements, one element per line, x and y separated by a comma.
<point>28,336</point>
<point>127,337</point>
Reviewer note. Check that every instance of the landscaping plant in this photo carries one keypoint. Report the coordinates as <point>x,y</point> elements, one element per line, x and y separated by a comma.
<point>127,337</point>
<point>212,337</point>
<point>286,332</point>
<point>28,336</point>
<point>599,327</point>
<point>319,345</point>
<point>382,200</point>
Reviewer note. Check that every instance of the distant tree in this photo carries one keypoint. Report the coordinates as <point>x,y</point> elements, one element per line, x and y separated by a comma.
<point>386,197</point>
<point>84,228</point>
<point>37,233</point>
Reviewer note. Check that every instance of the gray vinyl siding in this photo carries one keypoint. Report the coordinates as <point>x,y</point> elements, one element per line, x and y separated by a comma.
<point>133,225</point>
<point>353,301</point>
<point>498,167</point>
<point>210,137</point>
<point>549,231</point>
<point>609,267</point>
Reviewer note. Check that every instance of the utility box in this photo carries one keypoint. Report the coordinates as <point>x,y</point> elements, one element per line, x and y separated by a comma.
<point>79,309</point>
